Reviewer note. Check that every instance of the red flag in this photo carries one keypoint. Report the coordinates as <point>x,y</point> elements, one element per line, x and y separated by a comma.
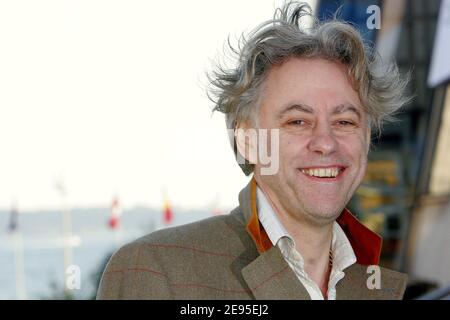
<point>167,213</point>
<point>116,212</point>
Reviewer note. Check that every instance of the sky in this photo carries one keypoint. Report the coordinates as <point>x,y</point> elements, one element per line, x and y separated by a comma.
<point>109,98</point>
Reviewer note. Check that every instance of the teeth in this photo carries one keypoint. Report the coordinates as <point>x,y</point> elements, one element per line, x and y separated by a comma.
<point>322,173</point>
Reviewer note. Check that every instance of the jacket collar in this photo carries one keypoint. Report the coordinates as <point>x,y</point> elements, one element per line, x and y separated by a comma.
<point>270,277</point>
<point>365,243</point>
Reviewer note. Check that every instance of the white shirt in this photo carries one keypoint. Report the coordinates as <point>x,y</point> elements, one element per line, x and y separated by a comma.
<point>343,254</point>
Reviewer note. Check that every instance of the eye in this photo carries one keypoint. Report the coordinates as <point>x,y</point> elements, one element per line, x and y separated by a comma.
<point>297,122</point>
<point>345,123</point>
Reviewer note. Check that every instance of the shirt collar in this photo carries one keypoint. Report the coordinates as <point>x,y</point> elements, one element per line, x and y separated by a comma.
<point>343,254</point>
<point>269,220</point>
<point>365,243</point>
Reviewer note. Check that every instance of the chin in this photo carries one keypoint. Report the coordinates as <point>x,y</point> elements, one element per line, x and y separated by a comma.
<point>323,214</point>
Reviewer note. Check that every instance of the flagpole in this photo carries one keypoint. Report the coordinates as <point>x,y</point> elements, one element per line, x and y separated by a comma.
<point>19,256</point>
<point>19,259</point>
<point>117,237</point>
<point>66,230</point>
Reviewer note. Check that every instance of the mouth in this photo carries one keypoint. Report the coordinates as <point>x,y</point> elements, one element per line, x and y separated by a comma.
<point>324,173</point>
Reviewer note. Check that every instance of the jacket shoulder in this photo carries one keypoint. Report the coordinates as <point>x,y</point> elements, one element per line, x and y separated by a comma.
<point>117,278</point>
<point>195,232</point>
<point>151,266</point>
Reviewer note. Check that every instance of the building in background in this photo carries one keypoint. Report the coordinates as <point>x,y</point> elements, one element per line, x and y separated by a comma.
<point>427,256</point>
<point>406,191</point>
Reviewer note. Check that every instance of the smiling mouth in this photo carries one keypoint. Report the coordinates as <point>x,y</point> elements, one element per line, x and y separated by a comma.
<point>329,173</point>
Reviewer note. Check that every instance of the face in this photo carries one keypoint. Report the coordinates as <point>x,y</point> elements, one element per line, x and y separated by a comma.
<point>324,138</point>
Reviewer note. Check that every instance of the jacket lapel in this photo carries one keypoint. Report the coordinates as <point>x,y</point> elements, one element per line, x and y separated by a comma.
<point>270,277</point>
<point>354,285</point>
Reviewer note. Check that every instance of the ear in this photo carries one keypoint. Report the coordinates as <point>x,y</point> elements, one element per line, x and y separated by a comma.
<point>247,142</point>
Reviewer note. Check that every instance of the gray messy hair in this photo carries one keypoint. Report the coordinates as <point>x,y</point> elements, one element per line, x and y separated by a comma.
<point>235,91</point>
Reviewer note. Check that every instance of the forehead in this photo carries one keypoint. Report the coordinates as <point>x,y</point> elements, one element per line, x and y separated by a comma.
<point>318,83</point>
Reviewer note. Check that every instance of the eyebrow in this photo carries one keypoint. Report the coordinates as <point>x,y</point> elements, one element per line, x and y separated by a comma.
<point>347,108</point>
<point>298,106</point>
<point>342,108</point>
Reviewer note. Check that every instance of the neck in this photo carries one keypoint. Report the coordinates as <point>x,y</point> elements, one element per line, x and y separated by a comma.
<point>314,244</point>
<point>312,241</point>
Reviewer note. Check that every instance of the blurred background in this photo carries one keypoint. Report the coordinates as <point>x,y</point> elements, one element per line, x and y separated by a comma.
<point>107,134</point>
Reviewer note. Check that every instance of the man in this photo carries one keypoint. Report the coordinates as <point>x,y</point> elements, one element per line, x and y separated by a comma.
<point>319,93</point>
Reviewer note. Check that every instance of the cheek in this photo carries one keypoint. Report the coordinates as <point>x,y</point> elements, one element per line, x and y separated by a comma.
<point>363,166</point>
<point>356,149</point>
<point>362,163</point>
<point>290,148</point>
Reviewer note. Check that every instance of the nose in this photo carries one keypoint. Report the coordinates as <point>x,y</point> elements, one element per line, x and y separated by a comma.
<point>322,140</point>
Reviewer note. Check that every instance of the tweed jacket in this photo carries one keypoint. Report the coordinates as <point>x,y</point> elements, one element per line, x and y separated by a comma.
<point>224,258</point>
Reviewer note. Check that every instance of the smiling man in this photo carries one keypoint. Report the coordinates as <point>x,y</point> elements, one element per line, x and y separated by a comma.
<point>320,94</point>
<point>324,139</point>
